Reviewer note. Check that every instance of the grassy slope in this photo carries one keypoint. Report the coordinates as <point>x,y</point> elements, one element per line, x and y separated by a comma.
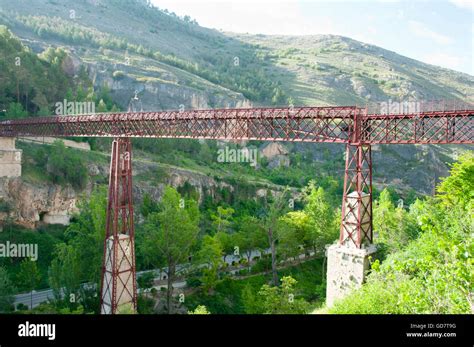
<point>320,69</point>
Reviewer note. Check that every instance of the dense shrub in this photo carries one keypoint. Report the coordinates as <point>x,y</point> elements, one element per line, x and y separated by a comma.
<point>66,166</point>
<point>433,273</point>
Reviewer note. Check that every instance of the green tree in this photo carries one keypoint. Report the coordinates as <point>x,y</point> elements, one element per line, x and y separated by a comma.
<point>79,259</point>
<point>278,97</point>
<point>7,289</point>
<point>392,225</point>
<point>29,277</point>
<point>66,166</point>
<point>318,208</point>
<point>314,227</point>
<point>458,188</point>
<point>64,275</point>
<point>297,225</point>
<point>31,83</point>
<point>251,236</point>
<point>222,219</point>
<point>146,280</point>
<point>282,300</point>
<point>171,234</point>
<point>251,301</point>
<point>86,234</point>
<point>435,271</point>
<point>227,242</point>
<point>289,241</point>
<point>210,254</point>
<point>148,205</point>
<point>15,111</point>
<point>274,209</point>
<point>101,107</point>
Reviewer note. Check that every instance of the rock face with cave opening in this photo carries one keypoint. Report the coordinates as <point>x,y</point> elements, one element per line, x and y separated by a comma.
<point>30,203</point>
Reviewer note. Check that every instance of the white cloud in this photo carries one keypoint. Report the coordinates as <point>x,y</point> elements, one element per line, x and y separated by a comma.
<point>420,30</point>
<point>283,17</point>
<point>444,60</point>
<point>464,4</point>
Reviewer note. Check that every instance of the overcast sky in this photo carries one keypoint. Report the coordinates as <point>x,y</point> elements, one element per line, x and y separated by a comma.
<point>436,32</point>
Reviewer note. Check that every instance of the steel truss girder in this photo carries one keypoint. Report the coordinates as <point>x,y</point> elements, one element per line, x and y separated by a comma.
<point>306,124</point>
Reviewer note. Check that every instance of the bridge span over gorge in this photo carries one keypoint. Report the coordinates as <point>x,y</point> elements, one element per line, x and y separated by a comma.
<point>352,126</point>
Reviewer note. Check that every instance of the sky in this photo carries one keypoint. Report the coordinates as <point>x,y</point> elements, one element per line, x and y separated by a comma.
<point>433,31</point>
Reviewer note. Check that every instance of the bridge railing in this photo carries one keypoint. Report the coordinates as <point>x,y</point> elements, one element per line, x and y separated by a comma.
<point>412,106</point>
<point>307,124</point>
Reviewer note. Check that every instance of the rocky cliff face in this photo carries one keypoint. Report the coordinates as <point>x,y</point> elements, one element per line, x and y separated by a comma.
<point>176,178</point>
<point>30,204</point>
<point>157,89</point>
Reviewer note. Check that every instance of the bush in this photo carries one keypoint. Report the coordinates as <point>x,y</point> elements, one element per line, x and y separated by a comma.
<point>146,280</point>
<point>145,305</point>
<point>434,272</point>
<point>261,265</point>
<point>193,282</point>
<point>22,307</point>
<point>66,166</point>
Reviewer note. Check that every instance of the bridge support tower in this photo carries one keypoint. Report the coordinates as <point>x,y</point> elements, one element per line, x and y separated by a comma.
<point>118,285</point>
<point>348,261</point>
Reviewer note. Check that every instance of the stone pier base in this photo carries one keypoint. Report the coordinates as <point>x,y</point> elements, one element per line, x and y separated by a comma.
<point>10,158</point>
<point>347,267</point>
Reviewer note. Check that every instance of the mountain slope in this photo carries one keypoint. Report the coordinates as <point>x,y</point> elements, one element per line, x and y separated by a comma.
<point>321,69</point>
<point>338,70</point>
<point>129,46</point>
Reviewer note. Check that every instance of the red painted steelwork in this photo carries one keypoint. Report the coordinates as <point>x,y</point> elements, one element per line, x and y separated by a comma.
<point>307,124</point>
<point>118,284</point>
<point>350,125</point>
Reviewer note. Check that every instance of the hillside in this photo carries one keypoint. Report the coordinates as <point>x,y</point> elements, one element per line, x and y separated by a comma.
<point>329,69</point>
<point>157,48</point>
<point>174,62</point>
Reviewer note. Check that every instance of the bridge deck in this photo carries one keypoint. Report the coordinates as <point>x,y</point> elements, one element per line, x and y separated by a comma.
<point>341,124</point>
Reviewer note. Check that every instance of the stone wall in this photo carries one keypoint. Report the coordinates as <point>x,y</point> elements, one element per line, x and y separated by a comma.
<point>347,264</point>
<point>50,140</point>
<point>10,158</point>
<point>347,268</point>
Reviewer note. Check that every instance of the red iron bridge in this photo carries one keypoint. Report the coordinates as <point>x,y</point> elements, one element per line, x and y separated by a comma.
<point>353,126</point>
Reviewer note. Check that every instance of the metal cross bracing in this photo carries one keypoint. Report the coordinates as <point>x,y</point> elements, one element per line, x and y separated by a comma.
<point>307,124</point>
<point>118,291</point>
<point>351,125</point>
<point>312,124</point>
